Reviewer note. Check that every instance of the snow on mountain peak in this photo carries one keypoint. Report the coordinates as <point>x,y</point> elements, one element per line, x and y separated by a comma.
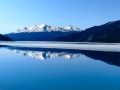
<point>42,25</point>
<point>68,27</point>
<point>47,28</point>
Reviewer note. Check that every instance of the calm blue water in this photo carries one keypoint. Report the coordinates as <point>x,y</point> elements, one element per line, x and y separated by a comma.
<point>51,69</point>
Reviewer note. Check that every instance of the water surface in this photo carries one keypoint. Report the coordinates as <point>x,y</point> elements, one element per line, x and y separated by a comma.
<point>58,69</point>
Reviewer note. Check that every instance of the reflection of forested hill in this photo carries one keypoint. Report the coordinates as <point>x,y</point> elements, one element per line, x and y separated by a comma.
<point>112,58</point>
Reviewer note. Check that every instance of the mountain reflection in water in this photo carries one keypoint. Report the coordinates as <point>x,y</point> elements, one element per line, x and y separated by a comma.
<point>112,58</point>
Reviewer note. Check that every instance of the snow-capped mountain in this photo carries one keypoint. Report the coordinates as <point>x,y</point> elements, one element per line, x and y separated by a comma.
<point>42,32</point>
<point>42,55</point>
<point>47,28</point>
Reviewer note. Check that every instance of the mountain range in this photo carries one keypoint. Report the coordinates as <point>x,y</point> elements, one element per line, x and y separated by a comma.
<point>47,28</point>
<point>108,32</point>
<point>42,32</point>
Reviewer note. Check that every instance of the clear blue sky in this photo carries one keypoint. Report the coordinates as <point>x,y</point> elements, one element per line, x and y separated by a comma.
<point>17,14</point>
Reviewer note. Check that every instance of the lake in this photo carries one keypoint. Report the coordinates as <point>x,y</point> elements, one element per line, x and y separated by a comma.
<point>25,68</point>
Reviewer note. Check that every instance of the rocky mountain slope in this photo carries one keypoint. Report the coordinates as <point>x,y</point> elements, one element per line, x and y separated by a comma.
<point>109,32</point>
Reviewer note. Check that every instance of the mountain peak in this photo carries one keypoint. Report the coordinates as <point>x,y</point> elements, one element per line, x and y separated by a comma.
<point>47,28</point>
<point>42,25</point>
<point>68,27</point>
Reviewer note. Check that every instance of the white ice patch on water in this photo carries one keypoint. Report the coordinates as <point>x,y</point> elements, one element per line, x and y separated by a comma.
<point>115,47</point>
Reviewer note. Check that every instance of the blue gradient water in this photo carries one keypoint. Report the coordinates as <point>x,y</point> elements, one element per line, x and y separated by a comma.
<point>19,72</point>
